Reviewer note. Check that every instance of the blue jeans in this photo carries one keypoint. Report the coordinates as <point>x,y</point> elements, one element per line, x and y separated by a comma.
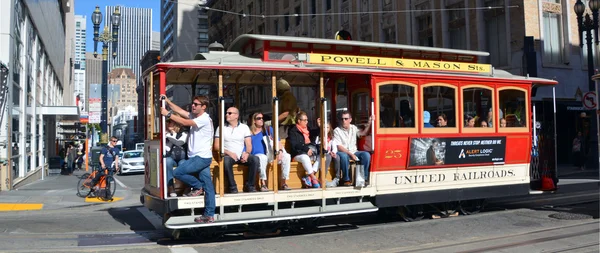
<point>365,160</point>
<point>209,192</point>
<point>201,166</point>
<point>170,164</point>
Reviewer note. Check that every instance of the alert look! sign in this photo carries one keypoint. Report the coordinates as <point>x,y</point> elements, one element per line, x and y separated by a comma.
<point>456,151</point>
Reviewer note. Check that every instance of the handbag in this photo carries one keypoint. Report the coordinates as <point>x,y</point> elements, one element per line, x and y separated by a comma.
<point>360,174</point>
<point>268,146</point>
<point>314,148</point>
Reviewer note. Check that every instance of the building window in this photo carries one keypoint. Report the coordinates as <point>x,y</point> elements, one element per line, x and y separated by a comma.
<point>345,16</point>
<point>286,22</point>
<point>495,28</point>
<point>424,25</point>
<point>457,29</point>
<point>250,11</point>
<point>313,7</point>
<point>298,18</point>
<point>203,23</point>
<point>276,27</point>
<point>327,5</point>
<point>552,38</point>
<point>389,35</point>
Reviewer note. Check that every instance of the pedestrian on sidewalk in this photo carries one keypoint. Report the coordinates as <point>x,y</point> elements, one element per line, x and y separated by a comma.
<point>71,155</point>
<point>578,154</point>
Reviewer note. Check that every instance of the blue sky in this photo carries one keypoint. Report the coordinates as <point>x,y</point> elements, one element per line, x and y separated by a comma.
<point>86,7</point>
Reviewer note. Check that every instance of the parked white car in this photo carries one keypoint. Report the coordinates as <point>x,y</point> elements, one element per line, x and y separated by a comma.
<point>132,161</point>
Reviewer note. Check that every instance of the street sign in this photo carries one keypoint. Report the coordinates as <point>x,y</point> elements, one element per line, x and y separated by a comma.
<point>95,105</point>
<point>589,100</point>
<point>94,117</point>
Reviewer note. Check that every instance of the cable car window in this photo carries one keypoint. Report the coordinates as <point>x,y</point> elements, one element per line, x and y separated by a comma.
<point>439,101</point>
<point>396,108</point>
<point>477,106</point>
<point>513,108</point>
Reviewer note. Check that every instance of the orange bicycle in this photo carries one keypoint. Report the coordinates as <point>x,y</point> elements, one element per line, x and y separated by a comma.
<point>104,188</point>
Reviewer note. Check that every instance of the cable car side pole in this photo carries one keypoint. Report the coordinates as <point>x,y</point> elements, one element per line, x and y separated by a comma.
<point>555,136</point>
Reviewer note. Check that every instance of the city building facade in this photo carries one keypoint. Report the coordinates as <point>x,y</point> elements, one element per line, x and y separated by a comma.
<point>123,79</point>
<point>536,38</point>
<point>36,45</point>
<point>155,41</point>
<point>184,30</point>
<point>135,37</point>
<point>79,80</point>
<point>93,73</point>
<point>184,33</point>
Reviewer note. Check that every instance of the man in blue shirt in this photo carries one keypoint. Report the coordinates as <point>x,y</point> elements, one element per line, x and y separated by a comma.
<point>108,155</point>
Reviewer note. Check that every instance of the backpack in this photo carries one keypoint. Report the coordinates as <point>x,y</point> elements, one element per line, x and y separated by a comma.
<point>178,153</point>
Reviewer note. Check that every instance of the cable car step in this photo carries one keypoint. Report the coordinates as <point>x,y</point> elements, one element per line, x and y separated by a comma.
<point>182,222</point>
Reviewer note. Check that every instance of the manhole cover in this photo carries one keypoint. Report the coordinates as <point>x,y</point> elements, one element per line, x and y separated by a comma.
<point>570,216</point>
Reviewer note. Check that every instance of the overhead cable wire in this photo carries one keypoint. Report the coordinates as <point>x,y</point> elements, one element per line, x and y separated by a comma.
<point>339,13</point>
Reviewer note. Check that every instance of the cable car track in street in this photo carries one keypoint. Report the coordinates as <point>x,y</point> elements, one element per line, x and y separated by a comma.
<point>145,237</point>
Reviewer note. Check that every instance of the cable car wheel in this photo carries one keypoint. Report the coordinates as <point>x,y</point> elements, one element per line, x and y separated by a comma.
<point>445,210</point>
<point>473,206</point>
<point>411,213</point>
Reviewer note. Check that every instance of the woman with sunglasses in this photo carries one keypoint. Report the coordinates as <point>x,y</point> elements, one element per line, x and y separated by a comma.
<point>176,151</point>
<point>304,150</point>
<point>262,143</point>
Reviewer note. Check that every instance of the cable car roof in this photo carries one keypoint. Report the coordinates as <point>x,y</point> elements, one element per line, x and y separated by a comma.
<point>242,41</point>
<point>235,64</point>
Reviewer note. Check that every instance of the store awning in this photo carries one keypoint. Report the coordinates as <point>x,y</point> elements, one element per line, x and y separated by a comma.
<point>63,113</point>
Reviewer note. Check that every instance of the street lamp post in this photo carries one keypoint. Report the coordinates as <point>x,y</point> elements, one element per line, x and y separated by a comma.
<point>105,38</point>
<point>589,25</point>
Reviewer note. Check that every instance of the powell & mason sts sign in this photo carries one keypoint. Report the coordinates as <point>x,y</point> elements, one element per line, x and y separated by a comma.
<point>385,62</point>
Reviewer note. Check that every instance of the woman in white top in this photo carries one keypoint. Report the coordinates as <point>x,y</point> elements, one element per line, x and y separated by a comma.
<point>175,150</point>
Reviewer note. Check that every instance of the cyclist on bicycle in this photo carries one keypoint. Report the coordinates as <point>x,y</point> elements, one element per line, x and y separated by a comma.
<point>108,155</point>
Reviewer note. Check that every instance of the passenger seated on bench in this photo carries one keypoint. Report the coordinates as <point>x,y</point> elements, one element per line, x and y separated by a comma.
<point>470,121</point>
<point>345,136</point>
<point>260,147</point>
<point>304,150</point>
<point>237,146</point>
<point>426,119</point>
<point>331,149</point>
<point>176,151</point>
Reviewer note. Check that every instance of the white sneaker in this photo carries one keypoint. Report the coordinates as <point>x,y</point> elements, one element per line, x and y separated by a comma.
<point>334,183</point>
<point>172,194</point>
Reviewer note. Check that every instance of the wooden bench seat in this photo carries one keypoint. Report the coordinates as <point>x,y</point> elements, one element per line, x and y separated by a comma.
<point>240,173</point>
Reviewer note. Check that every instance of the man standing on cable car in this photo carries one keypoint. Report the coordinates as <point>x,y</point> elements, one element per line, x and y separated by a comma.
<point>199,152</point>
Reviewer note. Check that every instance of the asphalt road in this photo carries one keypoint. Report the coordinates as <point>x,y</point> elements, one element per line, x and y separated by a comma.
<point>554,223</point>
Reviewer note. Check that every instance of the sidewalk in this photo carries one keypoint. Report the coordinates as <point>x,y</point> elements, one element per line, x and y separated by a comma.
<point>52,193</point>
<point>570,171</point>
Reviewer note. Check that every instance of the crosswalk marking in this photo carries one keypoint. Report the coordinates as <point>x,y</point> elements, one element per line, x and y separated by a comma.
<point>183,250</point>
<point>151,217</point>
